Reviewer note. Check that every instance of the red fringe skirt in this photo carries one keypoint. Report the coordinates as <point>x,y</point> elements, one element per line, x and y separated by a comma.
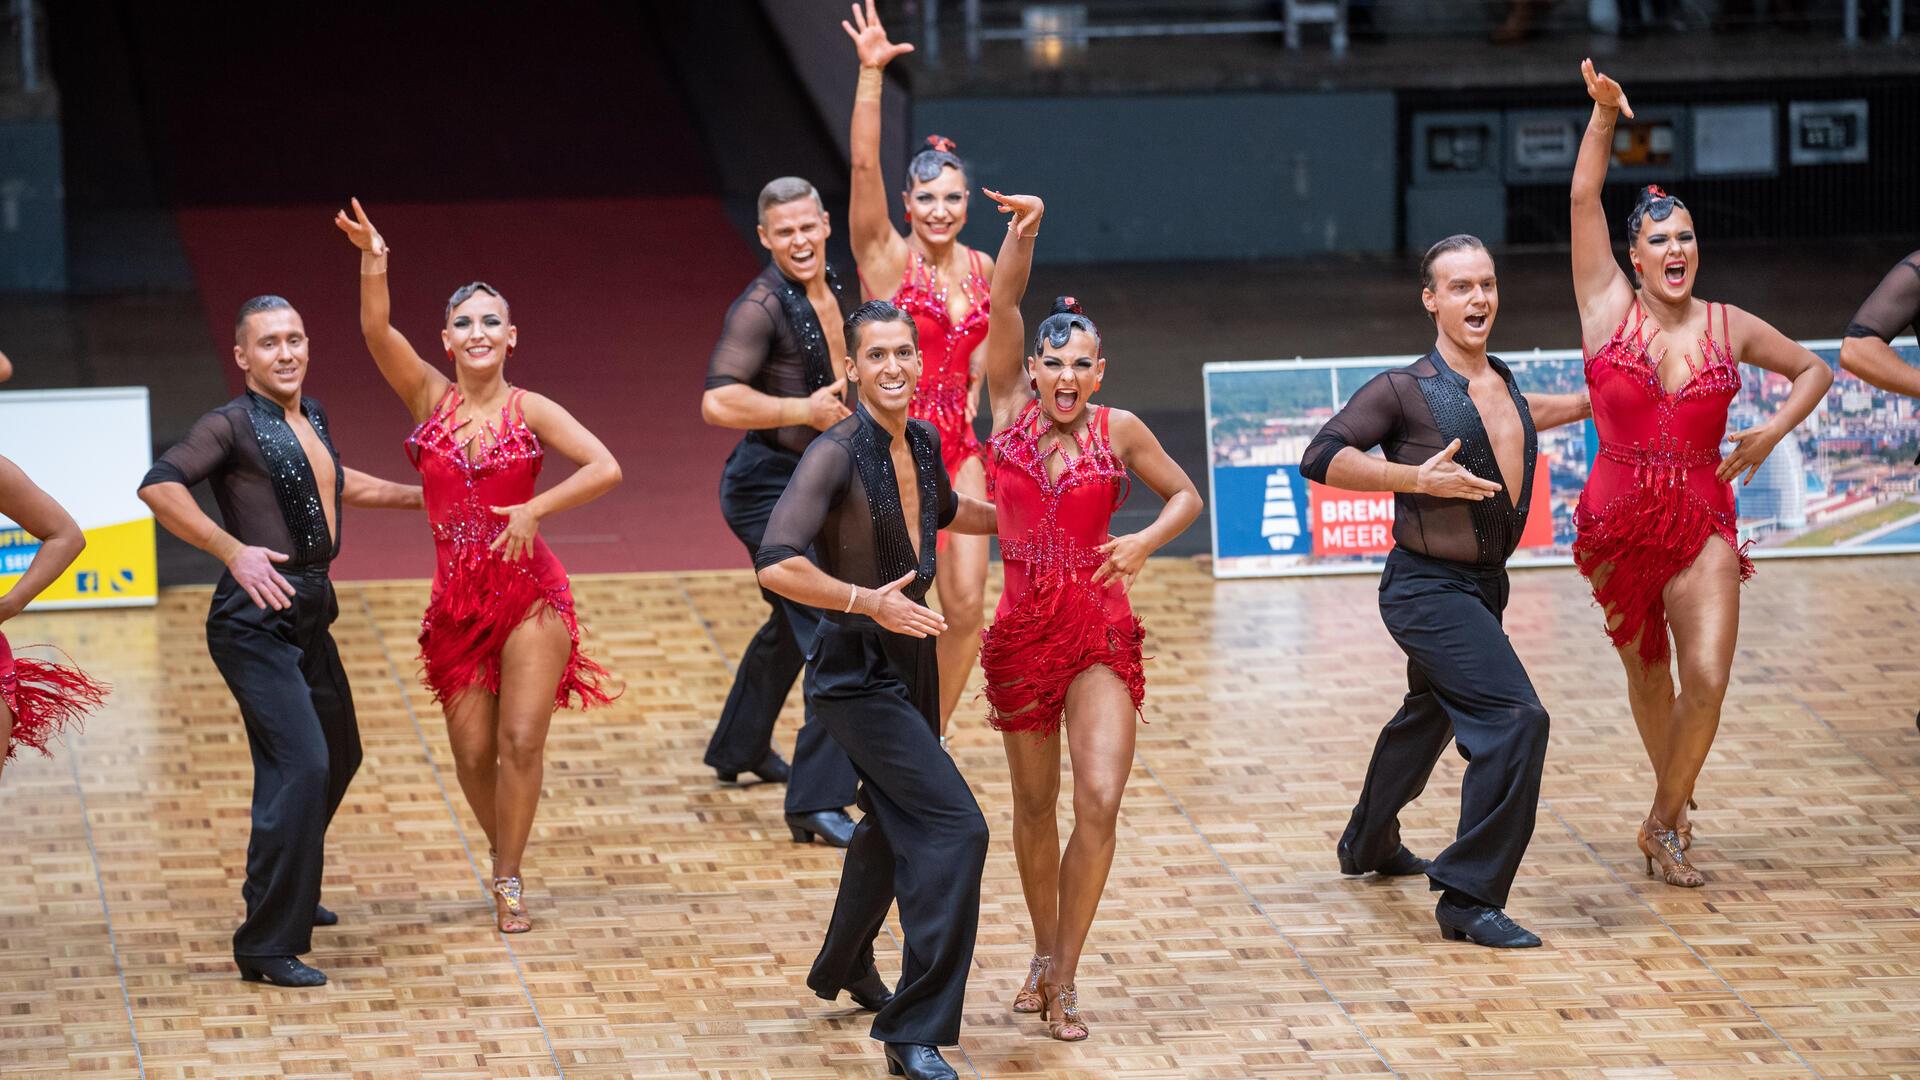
<point>1647,535</point>
<point>478,602</point>
<point>46,699</point>
<point>1037,647</point>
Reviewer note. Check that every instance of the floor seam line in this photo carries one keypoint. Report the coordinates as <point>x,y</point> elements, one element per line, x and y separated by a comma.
<point>473,864</point>
<point>106,912</point>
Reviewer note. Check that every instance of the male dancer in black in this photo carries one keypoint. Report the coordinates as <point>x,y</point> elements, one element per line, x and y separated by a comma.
<point>869,496</point>
<point>1867,352</point>
<point>776,374</point>
<point>279,486</point>
<point>1444,589</point>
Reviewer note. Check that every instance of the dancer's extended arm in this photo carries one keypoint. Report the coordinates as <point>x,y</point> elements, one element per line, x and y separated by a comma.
<point>880,251</point>
<point>1553,410</point>
<point>416,381</point>
<point>1006,343</point>
<point>61,541</point>
<point>1142,453</point>
<point>1601,291</point>
<point>1894,304</point>
<point>369,492</point>
<point>1337,456</point>
<point>188,462</point>
<point>597,474</point>
<point>1756,342</point>
<point>731,401</point>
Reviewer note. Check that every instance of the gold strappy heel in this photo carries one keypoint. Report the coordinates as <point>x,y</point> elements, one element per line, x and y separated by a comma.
<point>1657,842</point>
<point>509,911</point>
<point>1028,999</point>
<point>1060,1009</point>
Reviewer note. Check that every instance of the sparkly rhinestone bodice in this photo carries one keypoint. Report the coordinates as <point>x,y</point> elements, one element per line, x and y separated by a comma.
<point>1054,525</point>
<point>464,474</point>
<point>946,349</point>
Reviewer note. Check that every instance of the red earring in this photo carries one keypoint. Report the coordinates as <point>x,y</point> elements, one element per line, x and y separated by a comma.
<point>1034,385</point>
<point>509,351</point>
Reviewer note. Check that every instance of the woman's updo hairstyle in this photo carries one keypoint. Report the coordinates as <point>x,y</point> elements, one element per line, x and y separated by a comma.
<point>1654,203</point>
<point>465,292</point>
<point>1059,325</point>
<point>932,159</point>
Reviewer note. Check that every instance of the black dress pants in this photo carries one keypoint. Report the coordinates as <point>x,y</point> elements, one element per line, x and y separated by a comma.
<point>285,672</point>
<point>922,838</point>
<point>822,777</point>
<point>1465,683</point>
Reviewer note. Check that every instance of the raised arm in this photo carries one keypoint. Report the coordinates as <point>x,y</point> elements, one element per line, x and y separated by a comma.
<point>372,493</point>
<point>61,540</point>
<point>1756,342</point>
<point>597,474</point>
<point>1006,344</point>
<point>1142,453</point>
<point>415,380</point>
<point>1867,352</point>
<point>880,251</point>
<point>1600,290</point>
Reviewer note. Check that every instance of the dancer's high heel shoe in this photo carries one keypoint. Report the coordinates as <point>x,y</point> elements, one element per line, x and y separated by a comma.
<point>1662,844</point>
<point>509,905</point>
<point>1685,828</point>
<point>1060,1010</point>
<point>1028,999</point>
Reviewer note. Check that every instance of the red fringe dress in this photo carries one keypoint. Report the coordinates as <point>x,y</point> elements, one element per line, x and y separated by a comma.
<point>479,598</point>
<point>1653,499</point>
<point>946,352</point>
<point>46,699</point>
<point>1053,622</point>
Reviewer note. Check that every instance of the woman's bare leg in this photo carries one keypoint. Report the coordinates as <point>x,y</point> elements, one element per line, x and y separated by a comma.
<point>531,665</point>
<point>1100,732</point>
<point>1703,607</point>
<point>1033,765</point>
<point>471,729</point>
<point>1649,691</point>
<point>961,585</point>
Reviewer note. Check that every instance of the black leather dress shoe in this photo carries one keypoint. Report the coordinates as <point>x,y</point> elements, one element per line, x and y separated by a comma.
<point>870,991</point>
<point>1482,925</point>
<point>917,1061</point>
<point>773,769</point>
<point>833,827</point>
<point>323,917</point>
<point>1402,863</point>
<point>279,971</point>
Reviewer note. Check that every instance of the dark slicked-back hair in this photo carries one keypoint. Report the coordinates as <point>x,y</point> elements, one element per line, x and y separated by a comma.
<point>465,292</point>
<point>1653,203</point>
<point>876,311</point>
<point>935,157</point>
<point>1456,242</point>
<point>1066,317</point>
<point>257,306</point>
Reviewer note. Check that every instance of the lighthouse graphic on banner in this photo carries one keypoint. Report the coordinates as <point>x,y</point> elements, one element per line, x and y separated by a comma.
<point>1280,514</point>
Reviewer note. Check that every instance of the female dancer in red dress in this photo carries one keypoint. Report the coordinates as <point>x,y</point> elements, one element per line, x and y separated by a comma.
<point>499,640</point>
<point>1064,650</point>
<point>1659,493</point>
<point>944,285</point>
<point>38,699</point>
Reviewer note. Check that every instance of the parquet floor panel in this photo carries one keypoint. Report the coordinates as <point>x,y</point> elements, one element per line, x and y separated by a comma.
<point>676,922</point>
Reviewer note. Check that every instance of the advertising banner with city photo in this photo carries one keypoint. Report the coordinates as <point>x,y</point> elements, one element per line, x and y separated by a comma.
<point>1844,483</point>
<point>88,449</point>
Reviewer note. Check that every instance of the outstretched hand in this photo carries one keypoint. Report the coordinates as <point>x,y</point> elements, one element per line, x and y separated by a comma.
<point>360,230</point>
<point>1027,210</point>
<point>1604,90</point>
<point>1445,478</point>
<point>894,611</point>
<point>870,38</point>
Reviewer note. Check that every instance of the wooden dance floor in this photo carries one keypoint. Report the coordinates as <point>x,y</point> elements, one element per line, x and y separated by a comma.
<point>676,922</point>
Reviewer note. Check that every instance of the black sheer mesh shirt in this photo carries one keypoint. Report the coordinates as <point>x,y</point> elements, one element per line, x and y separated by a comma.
<point>1893,305</point>
<point>260,477</point>
<point>772,342</point>
<point>1412,413</point>
<point>844,503</point>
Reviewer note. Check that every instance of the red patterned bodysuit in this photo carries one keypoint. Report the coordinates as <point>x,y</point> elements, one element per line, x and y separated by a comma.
<point>946,352</point>
<point>478,596</point>
<point>1653,499</point>
<point>1053,623</point>
<point>46,699</point>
